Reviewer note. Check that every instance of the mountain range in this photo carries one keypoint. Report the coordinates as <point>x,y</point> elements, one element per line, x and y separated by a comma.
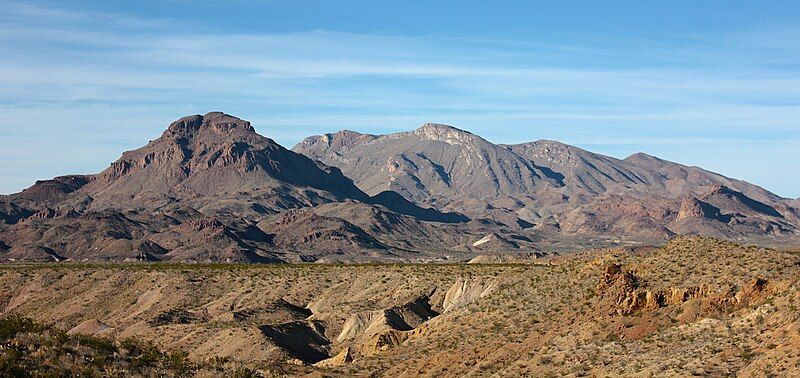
<point>212,189</point>
<point>551,186</point>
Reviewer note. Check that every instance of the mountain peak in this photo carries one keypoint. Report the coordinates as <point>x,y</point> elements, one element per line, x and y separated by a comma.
<point>445,133</point>
<point>641,156</point>
<point>439,127</point>
<point>332,142</point>
<point>217,122</point>
<point>213,155</point>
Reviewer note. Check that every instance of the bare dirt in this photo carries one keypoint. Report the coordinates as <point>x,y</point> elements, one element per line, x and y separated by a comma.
<point>697,306</point>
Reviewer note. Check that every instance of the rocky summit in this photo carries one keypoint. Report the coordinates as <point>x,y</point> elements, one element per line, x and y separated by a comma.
<point>211,189</point>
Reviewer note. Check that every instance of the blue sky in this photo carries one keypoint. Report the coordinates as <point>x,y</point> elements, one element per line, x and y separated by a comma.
<point>713,84</point>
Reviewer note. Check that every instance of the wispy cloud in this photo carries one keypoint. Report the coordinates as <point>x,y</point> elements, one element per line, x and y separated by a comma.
<point>97,73</point>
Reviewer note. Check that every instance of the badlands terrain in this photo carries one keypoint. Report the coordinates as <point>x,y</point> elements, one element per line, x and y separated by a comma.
<point>697,306</point>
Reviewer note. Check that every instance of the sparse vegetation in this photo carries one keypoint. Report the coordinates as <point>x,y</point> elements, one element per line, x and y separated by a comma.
<point>560,316</point>
<point>31,349</point>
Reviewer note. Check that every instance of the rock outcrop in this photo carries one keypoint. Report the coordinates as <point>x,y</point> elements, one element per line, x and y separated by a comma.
<point>623,293</point>
<point>92,327</point>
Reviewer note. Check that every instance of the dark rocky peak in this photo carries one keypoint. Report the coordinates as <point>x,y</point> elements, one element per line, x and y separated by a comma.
<point>216,122</point>
<point>56,188</point>
<point>215,154</point>
<point>695,208</point>
<point>196,143</point>
<point>733,200</point>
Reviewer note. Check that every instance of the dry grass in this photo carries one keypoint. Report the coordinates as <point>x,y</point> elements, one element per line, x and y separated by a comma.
<point>544,319</point>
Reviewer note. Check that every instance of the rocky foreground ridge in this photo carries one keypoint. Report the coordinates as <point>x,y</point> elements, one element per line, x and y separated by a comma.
<point>695,307</point>
<point>212,189</point>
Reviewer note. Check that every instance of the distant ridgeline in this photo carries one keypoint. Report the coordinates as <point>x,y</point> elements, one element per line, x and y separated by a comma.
<point>211,189</point>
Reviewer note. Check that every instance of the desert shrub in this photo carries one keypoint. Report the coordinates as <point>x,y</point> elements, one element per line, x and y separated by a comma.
<point>12,325</point>
<point>28,349</point>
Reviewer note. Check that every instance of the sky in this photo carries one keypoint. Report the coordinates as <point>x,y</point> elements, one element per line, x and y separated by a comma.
<point>714,84</point>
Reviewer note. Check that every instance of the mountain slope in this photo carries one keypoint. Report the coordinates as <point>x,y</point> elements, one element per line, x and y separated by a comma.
<point>432,164</point>
<point>549,185</point>
<point>199,193</point>
<point>213,155</point>
<point>584,171</point>
<point>678,178</point>
<point>696,307</point>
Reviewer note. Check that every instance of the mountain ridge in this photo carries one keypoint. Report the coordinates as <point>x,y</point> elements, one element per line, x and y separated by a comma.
<point>211,188</point>
<point>208,189</point>
<point>586,190</point>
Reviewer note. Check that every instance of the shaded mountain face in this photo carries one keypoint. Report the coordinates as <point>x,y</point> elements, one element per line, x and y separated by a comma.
<point>555,188</point>
<point>434,164</point>
<point>214,155</point>
<point>725,212</point>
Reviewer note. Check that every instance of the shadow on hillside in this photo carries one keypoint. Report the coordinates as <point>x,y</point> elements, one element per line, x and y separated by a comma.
<point>397,203</point>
